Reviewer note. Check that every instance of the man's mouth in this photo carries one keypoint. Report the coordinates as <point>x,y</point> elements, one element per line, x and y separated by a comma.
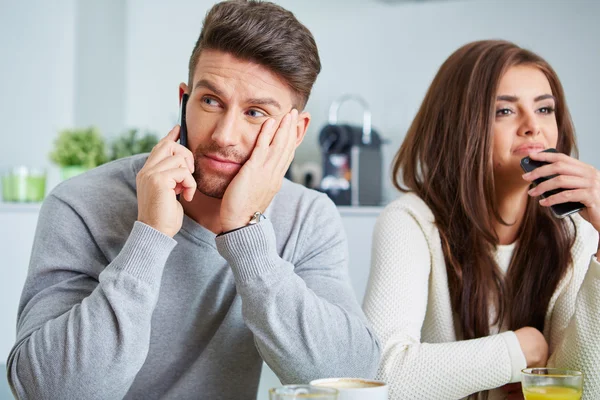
<point>218,163</point>
<point>221,159</point>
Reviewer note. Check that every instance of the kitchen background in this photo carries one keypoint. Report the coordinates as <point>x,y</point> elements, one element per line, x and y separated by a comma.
<point>117,64</point>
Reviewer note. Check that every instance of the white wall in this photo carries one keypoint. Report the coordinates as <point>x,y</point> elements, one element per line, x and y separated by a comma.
<point>100,65</point>
<point>118,63</point>
<point>37,45</point>
<point>387,53</point>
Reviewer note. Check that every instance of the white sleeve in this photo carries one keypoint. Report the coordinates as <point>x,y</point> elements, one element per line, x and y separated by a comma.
<point>396,303</point>
<point>579,348</point>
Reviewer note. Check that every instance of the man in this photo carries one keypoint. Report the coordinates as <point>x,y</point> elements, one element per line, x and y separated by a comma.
<point>134,293</point>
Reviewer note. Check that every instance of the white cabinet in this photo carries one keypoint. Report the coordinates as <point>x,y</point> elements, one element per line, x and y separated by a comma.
<point>17,228</point>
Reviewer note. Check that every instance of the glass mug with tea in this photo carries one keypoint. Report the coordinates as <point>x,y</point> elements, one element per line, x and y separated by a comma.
<point>300,392</point>
<point>355,388</point>
<point>551,384</point>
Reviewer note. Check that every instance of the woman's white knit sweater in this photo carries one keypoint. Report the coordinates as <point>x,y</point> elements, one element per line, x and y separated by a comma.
<point>408,303</point>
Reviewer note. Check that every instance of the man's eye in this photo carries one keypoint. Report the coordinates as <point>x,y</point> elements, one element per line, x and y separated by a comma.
<point>255,113</point>
<point>209,101</point>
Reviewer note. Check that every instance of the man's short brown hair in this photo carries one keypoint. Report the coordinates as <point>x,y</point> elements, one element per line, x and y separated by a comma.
<point>264,33</point>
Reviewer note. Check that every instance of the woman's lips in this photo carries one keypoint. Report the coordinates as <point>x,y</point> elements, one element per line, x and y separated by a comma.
<point>526,149</point>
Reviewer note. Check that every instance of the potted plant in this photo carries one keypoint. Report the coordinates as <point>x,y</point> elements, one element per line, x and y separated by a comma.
<point>78,150</point>
<point>129,144</point>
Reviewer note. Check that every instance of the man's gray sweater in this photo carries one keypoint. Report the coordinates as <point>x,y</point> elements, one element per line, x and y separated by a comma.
<point>115,309</point>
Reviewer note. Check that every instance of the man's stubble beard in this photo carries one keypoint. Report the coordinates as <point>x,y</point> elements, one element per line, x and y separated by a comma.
<point>211,186</point>
<point>214,186</point>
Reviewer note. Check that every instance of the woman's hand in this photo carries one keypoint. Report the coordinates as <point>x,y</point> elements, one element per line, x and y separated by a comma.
<point>581,181</point>
<point>534,346</point>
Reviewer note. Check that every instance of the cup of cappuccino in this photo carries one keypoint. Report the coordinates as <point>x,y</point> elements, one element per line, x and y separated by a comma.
<point>355,388</point>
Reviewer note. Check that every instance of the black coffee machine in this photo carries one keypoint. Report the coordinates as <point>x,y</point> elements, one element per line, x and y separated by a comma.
<point>352,159</point>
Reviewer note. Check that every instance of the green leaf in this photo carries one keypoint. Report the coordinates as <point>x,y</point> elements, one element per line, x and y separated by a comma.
<point>128,144</point>
<point>79,147</point>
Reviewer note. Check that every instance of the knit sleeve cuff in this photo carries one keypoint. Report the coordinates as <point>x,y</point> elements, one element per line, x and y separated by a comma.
<point>594,269</point>
<point>517,358</point>
<point>145,253</point>
<point>250,251</point>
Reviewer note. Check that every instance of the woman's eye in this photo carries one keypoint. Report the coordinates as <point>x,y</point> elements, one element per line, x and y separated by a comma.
<point>503,111</point>
<point>256,113</point>
<point>546,110</point>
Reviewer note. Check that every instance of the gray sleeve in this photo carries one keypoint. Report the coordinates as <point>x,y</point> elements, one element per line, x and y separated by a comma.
<point>305,318</point>
<point>83,327</point>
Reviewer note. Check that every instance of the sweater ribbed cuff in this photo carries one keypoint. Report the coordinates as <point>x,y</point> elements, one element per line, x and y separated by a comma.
<point>145,253</point>
<point>517,358</point>
<point>250,251</point>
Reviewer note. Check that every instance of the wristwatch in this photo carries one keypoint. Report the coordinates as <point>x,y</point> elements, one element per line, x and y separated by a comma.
<point>256,218</point>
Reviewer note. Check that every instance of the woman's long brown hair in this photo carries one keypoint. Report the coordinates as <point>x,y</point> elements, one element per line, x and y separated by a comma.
<point>446,159</point>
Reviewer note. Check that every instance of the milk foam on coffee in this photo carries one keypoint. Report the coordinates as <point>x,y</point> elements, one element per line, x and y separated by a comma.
<point>349,384</point>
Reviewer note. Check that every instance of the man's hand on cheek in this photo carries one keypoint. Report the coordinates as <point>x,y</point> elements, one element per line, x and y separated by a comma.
<point>257,182</point>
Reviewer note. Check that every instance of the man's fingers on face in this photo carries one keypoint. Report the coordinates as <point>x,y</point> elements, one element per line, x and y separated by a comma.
<point>160,150</point>
<point>178,177</point>
<point>187,154</point>
<point>282,135</point>
<point>188,192</point>
<point>291,145</point>
<point>176,161</point>
<point>173,134</point>
<point>167,149</point>
<point>285,149</point>
<point>261,148</point>
<point>290,150</point>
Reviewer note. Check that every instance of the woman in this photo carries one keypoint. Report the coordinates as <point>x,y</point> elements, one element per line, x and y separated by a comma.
<point>473,278</point>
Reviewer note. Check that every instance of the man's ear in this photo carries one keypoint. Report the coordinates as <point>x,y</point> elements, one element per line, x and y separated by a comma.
<point>302,127</point>
<point>183,88</point>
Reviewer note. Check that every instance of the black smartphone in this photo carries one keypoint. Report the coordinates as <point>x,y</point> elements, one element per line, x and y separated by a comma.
<point>559,210</point>
<point>182,124</point>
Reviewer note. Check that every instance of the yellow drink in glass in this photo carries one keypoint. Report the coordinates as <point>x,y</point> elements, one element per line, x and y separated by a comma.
<point>551,393</point>
<point>551,384</point>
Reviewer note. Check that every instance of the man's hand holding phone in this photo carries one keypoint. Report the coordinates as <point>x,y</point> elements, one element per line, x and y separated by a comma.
<point>166,174</point>
<point>581,181</point>
<point>260,178</point>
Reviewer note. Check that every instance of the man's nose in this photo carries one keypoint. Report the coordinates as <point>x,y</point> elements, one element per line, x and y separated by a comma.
<point>227,132</point>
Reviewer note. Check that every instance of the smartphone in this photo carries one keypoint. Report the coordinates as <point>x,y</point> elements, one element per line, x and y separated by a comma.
<point>182,124</point>
<point>559,210</point>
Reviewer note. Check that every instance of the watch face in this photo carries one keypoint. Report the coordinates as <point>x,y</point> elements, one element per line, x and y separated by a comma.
<point>256,218</point>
